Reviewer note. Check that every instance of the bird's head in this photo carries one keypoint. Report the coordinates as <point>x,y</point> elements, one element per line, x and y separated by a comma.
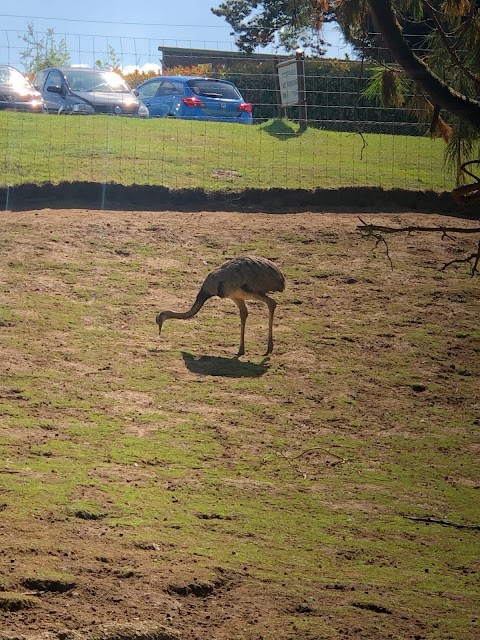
<point>160,319</point>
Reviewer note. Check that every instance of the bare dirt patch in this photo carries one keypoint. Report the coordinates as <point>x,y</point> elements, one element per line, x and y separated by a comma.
<point>160,488</point>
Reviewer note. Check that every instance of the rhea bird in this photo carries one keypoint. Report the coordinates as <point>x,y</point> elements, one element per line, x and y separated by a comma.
<point>240,279</point>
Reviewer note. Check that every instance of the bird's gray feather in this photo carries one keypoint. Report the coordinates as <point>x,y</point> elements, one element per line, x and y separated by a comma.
<point>249,273</point>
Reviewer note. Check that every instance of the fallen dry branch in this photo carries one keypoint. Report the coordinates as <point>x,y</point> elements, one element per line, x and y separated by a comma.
<point>445,523</point>
<point>473,259</point>
<point>368,229</point>
<point>468,194</point>
<point>327,451</point>
<point>377,231</point>
<point>290,459</point>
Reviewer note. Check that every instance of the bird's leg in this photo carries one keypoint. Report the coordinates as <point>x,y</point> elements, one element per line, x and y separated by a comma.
<point>243,319</point>
<point>272,305</point>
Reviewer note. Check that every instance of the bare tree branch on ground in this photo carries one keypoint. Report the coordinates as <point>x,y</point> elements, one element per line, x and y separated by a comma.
<point>379,231</point>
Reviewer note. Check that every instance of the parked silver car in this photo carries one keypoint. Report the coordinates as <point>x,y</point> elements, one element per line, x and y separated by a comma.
<point>17,93</point>
<point>81,90</point>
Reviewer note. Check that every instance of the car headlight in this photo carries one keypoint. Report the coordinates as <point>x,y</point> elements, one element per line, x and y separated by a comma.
<point>143,111</point>
<point>82,107</point>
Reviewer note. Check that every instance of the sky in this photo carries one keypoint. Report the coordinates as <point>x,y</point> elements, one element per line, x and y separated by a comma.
<point>134,30</point>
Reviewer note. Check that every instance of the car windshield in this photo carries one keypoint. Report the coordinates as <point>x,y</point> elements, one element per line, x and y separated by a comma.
<point>93,80</point>
<point>13,78</point>
<point>214,89</point>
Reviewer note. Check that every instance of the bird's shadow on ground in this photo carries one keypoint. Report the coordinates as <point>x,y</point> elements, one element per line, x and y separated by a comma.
<point>284,129</point>
<point>226,367</point>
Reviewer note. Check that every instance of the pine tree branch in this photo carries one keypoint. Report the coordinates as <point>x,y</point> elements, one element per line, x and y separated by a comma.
<point>453,54</point>
<point>440,93</point>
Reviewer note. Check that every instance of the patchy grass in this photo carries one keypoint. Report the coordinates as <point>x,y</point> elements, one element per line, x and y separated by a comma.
<point>41,148</point>
<point>163,481</point>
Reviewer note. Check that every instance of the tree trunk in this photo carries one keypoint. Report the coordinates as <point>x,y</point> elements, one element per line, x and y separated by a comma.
<point>439,92</point>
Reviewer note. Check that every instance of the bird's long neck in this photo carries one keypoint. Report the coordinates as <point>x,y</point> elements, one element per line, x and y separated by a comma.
<point>201,298</point>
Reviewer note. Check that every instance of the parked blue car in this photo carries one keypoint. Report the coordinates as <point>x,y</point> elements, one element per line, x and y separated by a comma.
<point>193,98</point>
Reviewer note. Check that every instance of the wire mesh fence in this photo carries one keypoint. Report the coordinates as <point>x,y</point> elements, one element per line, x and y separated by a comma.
<point>350,140</point>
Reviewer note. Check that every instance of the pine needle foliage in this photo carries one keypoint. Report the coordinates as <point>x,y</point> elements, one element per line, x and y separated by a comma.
<point>388,85</point>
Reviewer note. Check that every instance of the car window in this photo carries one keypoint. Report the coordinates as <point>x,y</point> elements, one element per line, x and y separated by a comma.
<point>179,87</point>
<point>13,78</point>
<point>170,88</point>
<point>214,89</point>
<point>54,79</point>
<point>96,80</point>
<point>39,79</point>
<point>79,82</point>
<point>149,90</point>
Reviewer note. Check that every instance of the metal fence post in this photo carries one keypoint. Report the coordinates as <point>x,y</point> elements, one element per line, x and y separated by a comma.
<point>302,93</point>
<point>278,96</point>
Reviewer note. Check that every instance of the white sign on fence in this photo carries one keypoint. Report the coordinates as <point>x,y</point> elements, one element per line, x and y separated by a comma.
<point>287,75</point>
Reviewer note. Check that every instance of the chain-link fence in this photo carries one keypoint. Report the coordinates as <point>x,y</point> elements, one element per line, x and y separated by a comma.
<point>350,139</point>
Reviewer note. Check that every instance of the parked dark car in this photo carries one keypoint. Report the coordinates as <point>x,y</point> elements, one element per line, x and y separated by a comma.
<point>17,93</point>
<point>81,90</point>
<point>194,98</point>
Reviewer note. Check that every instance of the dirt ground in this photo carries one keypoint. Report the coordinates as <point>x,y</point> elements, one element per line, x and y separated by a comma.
<point>153,590</point>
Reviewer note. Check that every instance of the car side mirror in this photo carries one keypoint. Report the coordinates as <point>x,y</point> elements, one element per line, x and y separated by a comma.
<point>53,89</point>
<point>135,92</point>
